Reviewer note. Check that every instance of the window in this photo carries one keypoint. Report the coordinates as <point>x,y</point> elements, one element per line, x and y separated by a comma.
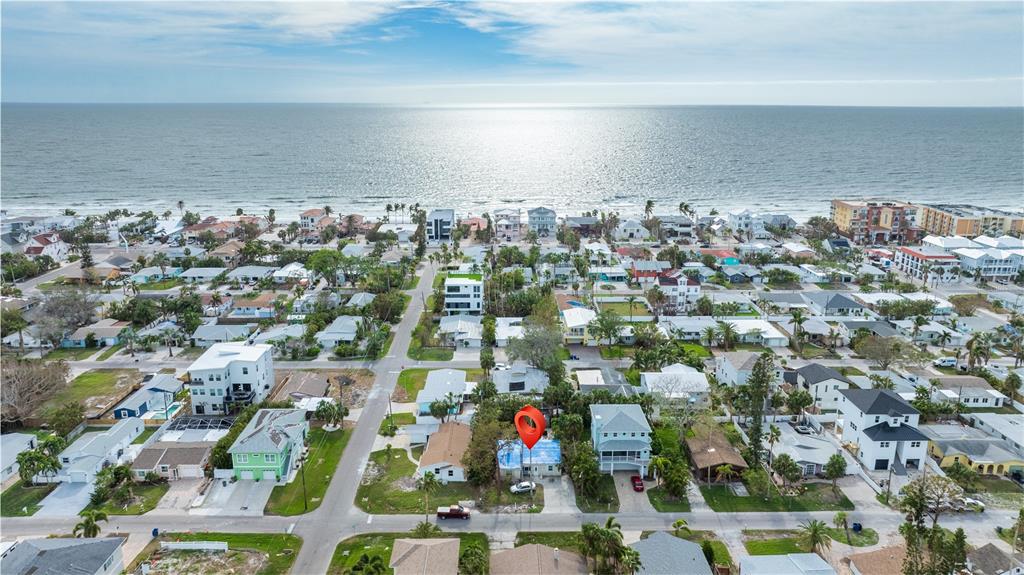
<point>915,444</point>
<point>215,407</point>
<point>884,444</point>
<point>632,434</point>
<point>242,458</point>
<point>245,371</point>
<point>877,417</point>
<point>163,468</point>
<point>451,473</point>
<point>270,458</point>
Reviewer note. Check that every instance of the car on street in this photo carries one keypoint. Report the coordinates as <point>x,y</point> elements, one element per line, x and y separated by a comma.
<point>638,483</point>
<point>523,487</point>
<point>945,362</point>
<point>452,512</point>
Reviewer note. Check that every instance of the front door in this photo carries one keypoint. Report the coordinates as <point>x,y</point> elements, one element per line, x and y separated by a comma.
<point>881,464</point>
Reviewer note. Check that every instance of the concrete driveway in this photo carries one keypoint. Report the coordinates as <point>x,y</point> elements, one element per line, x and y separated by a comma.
<point>630,501</point>
<point>559,495</point>
<point>179,495</point>
<point>244,497</point>
<point>66,500</point>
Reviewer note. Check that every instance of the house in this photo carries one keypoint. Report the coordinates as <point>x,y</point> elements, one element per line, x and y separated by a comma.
<point>402,232</point>
<point>614,273</point>
<point>360,300</point>
<point>444,452</point>
<point>798,250</point>
<point>939,265</point>
<point>989,263</point>
<point>542,221</point>
<point>932,333</point>
<point>11,445</point>
<point>344,329</point>
<point>309,301</point>
<point>604,379</point>
<point>849,328</point>
<point>598,252</point>
<point>259,306</point>
<point>48,244</point>
<point>646,271</point>
<point>574,324</point>
<point>744,305</point>
<point>723,256</point>
<point>621,437</point>
<point>154,274</point>
<point>969,390</point>
<point>942,307</point>
<point>463,294</point>
<point>105,332</point>
<point>441,385</point>
<point>434,556</point>
<point>1009,428</point>
<point>991,560</point>
<point>883,427</point>
<point>816,331</point>
<point>228,252</point>
<point>155,400</point>
<point>732,368</point>
<point>759,332</point>
<point>790,564</point>
<point>1003,242</point>
<point>585,226</point>
<point>536,559</point>
<point>709,450</point>
<point>95,450</point>
<point>818,274</point>
<point>354,250</point>
<point>797,271</point>
<point>439,225</point>
<point>742,273</point>
<point>250,274</point>
<point>202,275</point>
<point>175,253</point>
<point>270,445</point>
<point>948,243</point>
<point>172,460</point>
<point>631,230</point>
<point>680,291</point>
<point>294,273</point>
<point>884,561</point>
<point>230,376</point>
<point>810,452</point>
<point>520,378</point>
<point>677,384</point>
<point>57,555</point>
<point>518,462</point>
<point>953,443</point>
<point>464,331</point>
<point>507,328</point>
<point>279,333</point>
<point>686,328</point>
<point>309,218</point>
<point>209,334</point>
<point>823,383</point>
<point>832,303</point>
<point>675,226</point>
<point>663,554</point>
<point>508,224</point>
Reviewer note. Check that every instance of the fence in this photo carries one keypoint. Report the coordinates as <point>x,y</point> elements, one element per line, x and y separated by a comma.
<point>194,545</point>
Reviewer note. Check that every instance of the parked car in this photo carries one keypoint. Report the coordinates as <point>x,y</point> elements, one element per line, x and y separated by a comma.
<point>803,429</point>
<point>638,483</point>
<point>453,512</point>
<point>523,487</point>
<point>945,362</point>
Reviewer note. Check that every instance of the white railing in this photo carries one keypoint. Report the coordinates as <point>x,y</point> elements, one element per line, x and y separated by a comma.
<point>194,545</point>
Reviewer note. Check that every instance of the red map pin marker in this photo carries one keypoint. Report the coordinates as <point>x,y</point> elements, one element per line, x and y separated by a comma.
<point>530,425</point>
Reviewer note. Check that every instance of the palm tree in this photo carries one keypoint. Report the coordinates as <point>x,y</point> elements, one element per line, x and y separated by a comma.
<point>129,337</point>
<point>724,472</point>
<point>797,318</point>
<point>631,300</point>
<point>660,466</point>
<point>181,207</point>
<point>774,434</point>
<point>679,526</point>
<point>328,210</point>
<point>591,538</point>
<point>727,334</point>
<point>629,561</point>
<point>815,536</point>
<point>89,526</point>
<point>919,322</point>
<point>944,338</point>
<point>367,565</point>
<point>427,483</point>
<point>842,521</point>
<point>709,336</point>
<point>648,208</point>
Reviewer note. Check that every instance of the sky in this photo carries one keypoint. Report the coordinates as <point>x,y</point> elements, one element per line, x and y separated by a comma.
<point>516,53</point>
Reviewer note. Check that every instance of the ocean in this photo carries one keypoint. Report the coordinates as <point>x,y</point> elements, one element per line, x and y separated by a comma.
<point>217,158</point>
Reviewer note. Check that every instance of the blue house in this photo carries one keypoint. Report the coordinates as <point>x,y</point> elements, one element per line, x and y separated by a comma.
<point>154,274</point>
<point>105,332</point>
<point>154,401</point>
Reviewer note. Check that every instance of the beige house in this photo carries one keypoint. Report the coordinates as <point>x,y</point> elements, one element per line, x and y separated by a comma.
<point>443,455</point>
<point>537,559</point>
<point>425,557</point>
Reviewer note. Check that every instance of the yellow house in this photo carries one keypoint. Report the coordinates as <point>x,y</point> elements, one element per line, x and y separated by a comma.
<point>951,444</point>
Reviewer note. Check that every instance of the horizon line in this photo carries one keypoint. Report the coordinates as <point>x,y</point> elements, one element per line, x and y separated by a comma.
<point>497,104</point>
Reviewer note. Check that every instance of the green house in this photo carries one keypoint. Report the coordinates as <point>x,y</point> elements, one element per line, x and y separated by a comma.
<point>270,445</point>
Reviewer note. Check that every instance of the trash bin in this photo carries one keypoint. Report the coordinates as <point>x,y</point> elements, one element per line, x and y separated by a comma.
<point>857,527</point>
<point>156,532</point>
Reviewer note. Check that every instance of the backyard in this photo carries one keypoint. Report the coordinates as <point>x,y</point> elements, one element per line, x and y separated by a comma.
<point>604,500</point>
<point>96,389</point>
<point>325,449</point>
<point>250,553</point>
<point>623,308</point>
<point>20,500</point>
<point>146,433</point>
<point>420,353</point>
<point>389,426</point>
<point>816,497</point>
<point>348,552</point>
<point>160,285</point>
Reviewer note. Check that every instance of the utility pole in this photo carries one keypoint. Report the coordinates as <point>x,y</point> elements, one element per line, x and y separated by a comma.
<point>305,501</point>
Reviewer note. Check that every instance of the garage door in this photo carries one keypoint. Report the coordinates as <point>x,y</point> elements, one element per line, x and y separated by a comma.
<point>246,475</point>
<point>881,464</point>
<point>269,475</point>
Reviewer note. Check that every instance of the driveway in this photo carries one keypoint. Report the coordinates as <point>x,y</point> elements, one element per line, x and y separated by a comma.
<point>559,495</point>
<point>244,497</point>
<point>66,500</point>
<point>179,495</point>
<point>630,501</point>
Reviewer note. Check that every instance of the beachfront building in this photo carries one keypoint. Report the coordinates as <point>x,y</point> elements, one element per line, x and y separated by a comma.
<point>969,221</point>
<point>439,225</point>
<point>990,263</point>
<point>876,221</point>
<point>508,224</point>
<point>948,243</point>
<point>631,230</point>
<point>542,221</point>
<point>48,244</point>
<point>230,376</point>
<point>463,294</point>
<point>676,226</point>
<point>621,436</point>
<point>938,264</point>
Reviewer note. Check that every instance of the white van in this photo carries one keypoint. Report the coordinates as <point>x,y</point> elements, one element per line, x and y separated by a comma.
<point>945,362</point>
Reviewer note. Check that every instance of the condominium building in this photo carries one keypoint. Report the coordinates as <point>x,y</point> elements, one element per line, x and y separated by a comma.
<point>439,225</point>
<point>915,262</point>
<point>969,221</point>
<point>229,376</point>
<point>876,221</point>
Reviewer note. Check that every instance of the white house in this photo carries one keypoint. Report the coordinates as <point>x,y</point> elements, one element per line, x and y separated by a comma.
<point>48,244</point>
<point>209,334</point>
<point>463,294</point>
<point>447,385</point>
<point>444,452</point>
<point>295,273</point>
<point>11,445</point>
<point>734,367</point>
<point>631,230</point>
<point>969,390</point>
<point>621,437</point>
<point>686,328</point>
<point>680,291</point>
<point>948,244</point>
<point>542,221</point>
<point>251,273</point>
<point>992,263</point>
<point>508,224</point>
<point>403,232</point>
<point>823,383</point>
<point>574,324</point>
<point>92,451</point>
<point>759,331</point>
<point>677,384</point>
<point>342,330</point>
<point>230,376</point>
<point>930,333</point>
<point>464,331</point>
<point>882,427</point>
<point>506,328</point>
<point>810,452</point>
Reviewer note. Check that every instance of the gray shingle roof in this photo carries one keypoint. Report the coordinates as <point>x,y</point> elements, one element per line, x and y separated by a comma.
<point>878,401</point>
<point>270,430</point>
<point>59,556</point>
<point>815,373</point>
<point>885,432</point>
<point>664,554</point>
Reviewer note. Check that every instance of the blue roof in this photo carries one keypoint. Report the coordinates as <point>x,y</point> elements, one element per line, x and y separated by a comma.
<point>545,452</point>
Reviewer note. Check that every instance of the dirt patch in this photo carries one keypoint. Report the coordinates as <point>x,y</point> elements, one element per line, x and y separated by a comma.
<point>313,381</point>
<point>204,562</point>
<point>405,484</point>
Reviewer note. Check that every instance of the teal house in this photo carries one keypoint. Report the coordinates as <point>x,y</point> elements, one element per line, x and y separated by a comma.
<point>270,445</point>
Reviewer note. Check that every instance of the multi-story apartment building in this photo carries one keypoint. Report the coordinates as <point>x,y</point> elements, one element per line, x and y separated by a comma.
<point>508,224</point>
<point>876,221</point>
<point>990,263</point>
<point>621,436</point>
<point>542,221</point>
<point>463,294</point>
<point>229,376</point>
<point>968,221</point>
<point>439,225</point>
<point>939,265</point>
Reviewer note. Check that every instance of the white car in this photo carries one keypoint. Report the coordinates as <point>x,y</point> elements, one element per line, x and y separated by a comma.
<point>523,487</point>
<point>945,362</point>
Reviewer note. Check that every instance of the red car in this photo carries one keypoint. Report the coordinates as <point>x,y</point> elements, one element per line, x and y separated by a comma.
<point>638,483</point>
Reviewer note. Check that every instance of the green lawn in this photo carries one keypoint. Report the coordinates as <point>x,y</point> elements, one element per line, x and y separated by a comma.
<point>866,538</point>
<point>413,379</point>
<point>411,282</point>
<point>439,280</point>
<point>606,500</point>
<point>568,540</point>
<point>817,497</point>
<point>159,285</point>
<point>325,451</point>
<point>849,371</point>
<point>417,452</point>
<point>665,503</point>
<point>419,353</point>
<point>146,498</point>
<point>623,308</point>
<point>563,353</point>
<point>18,497</point>
<point>775,546</point>
<point>468,276</point>
<point>93,383</point>
<point>146,433</point>
<point>72,353</point>
<point>347,553</point>
<point>997,485</point>
<point>109,352</point>
<point>382,496</point>
<point>695,349</point>
<point>391,424</point>
<point>616,351</point>
<point>281,549</point>
<point>782,541</point>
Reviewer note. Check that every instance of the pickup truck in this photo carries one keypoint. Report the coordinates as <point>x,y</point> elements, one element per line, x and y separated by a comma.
<point>453,512</point>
